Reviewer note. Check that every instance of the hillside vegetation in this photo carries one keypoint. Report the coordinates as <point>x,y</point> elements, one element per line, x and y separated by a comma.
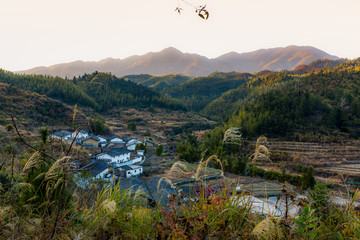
<point>199,92</point>
<point>32,109</point>
<point>158,82</point>
<point>99,91</point>
<point>279,105</point>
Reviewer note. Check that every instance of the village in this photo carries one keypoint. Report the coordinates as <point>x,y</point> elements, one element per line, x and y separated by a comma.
<point>112,158</point>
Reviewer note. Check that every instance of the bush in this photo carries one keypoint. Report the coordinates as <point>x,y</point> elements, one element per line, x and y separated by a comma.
<point>308,178</point>
<point>159,150</point>
<point>132,126</point>
<point>319,200</point>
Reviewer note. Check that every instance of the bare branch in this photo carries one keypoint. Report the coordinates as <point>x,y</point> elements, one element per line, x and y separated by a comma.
<point>23,141</point>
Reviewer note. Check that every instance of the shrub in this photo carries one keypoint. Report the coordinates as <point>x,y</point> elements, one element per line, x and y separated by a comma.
<point>132,126</point>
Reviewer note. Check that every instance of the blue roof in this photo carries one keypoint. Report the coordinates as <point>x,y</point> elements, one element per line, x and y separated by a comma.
<point>76,163</point>
<point>96,167</point>
<point>127,139</point>
<point>101,137</point>
<point>117,152</point>
<point>159,189</point>
<point>62,133</point>
<point>126,168</point>
<point>113,137</point>
<point>150,141</point>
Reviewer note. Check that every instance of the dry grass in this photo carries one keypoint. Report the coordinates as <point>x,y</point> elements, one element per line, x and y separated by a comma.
<point>159,122</point>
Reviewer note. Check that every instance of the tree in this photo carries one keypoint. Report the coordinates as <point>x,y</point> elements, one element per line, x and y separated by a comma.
<point>9,127</point>
<point>159,150</point>
<point>132,126</point>
<point>141,146</point>
<point>99,126</point>
<point>189,149</point>
<point>320,200</point>
<point>44,133</point>
<point>308,178</point>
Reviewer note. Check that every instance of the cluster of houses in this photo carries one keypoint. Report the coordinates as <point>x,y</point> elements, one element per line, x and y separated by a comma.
<point>117,158</point>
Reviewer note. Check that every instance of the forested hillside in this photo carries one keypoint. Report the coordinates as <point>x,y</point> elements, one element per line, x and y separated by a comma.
<point>323,105</point>
<point>223,107</point>
<point>158,82</point>
<point>110,91</point>
<point>34,110</point>
<point>199,92</point>
<point>98,91</point>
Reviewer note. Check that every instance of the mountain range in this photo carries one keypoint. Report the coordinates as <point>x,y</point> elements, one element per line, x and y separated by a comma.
<point>171,60</point>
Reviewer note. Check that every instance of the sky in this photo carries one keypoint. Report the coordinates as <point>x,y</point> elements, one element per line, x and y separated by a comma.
<point>46,32</point>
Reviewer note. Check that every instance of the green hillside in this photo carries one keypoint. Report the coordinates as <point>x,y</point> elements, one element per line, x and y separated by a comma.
<point>34,110</point>
<point>109,92</point>
<point>54,87</point>
<point>231,101</point>
<point>158,82</point>
<point>325,104</point>
<point>98,91</point>
<point>199,92</point>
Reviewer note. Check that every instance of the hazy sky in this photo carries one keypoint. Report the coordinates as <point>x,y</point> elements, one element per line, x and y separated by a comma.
<point>46,32</point>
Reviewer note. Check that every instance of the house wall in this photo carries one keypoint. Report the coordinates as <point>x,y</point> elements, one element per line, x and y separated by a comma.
<point>117,159</point>
<point>135,172</point>
<point>102,174</point>
<point>130,162</point>
<point>79,136</point>
<point>91,141</point>
<point>131,147</point>
<point>140,152</point>
<point>117,140</point>
<point>116,145</point>
<point>65,138</point>
<point>136,160</point>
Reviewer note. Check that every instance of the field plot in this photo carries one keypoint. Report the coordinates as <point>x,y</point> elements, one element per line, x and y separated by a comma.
<point>261,188</point>
<point>346,169</point>
<point>330,160</point>
<point>158,124</point>
<point>319,154</point>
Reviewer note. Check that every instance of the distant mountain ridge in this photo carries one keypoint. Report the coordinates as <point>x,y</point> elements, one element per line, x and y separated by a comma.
<point>171,61</point>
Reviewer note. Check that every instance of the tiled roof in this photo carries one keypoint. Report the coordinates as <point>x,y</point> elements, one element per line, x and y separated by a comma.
<point>134,185</point>
<point>92,137</point>
<point>117,151</point>
<point>96,167</point>
<point>113,137</point>
<point>159,189</point>
<point>126,168</point>
<point>130,167</point>
<point>62,133</point>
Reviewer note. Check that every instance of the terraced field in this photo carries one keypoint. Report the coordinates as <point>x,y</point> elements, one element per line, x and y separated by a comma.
<point>328,159</point>
<point>319,154</point>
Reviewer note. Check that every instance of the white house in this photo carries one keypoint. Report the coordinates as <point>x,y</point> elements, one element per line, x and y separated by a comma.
<point>99,169</point>
<point>131,145</point>
<point>132,170</point>
<point>115,139</point>
<point>137,159</point>
<point>140,152</point>
<point>102,141</point>
<point>116,155</point>
<point>102,138</point>
<point>80,135</point>
<point>62,135</point>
